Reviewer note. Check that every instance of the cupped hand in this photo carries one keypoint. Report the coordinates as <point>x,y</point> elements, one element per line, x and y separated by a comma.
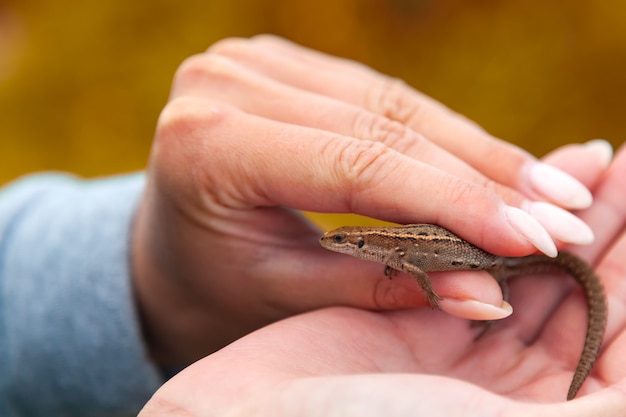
<point>257,128</point>
<point>352,362</point>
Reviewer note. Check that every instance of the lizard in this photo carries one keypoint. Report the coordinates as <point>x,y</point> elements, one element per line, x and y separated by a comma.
<point>420,248</point>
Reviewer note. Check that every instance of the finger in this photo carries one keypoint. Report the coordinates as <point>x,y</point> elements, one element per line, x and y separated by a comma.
<point>359,85</point>
<point>244,159</point>
<point>221,79</point>
<point>586,162</point>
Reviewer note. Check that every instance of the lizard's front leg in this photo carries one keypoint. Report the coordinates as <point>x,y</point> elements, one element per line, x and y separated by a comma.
<point>424,281</point>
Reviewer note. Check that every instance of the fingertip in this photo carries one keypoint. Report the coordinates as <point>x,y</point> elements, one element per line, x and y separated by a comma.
<point>561,224</point>
<point>475,310</point>
<point>529,229</point>
<point>558,186</point>
<point>601,150</point>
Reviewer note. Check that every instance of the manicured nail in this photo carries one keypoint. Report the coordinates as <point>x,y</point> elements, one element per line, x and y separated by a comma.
<point>475,310</point>
<point>600,149</point>
<point>531,230</point>
<point>559,187</point>
<point>561,224</point>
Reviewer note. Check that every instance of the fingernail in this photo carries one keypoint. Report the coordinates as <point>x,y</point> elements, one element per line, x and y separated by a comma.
<point>475,310</point>
<point>561,224</point>
<point>531,230</point>
<point>600,149</point>
<point>559,187</point>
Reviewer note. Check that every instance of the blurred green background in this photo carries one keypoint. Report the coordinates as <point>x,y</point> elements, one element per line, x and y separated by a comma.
<point>82,82</point>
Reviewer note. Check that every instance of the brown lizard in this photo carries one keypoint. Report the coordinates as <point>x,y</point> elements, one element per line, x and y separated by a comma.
<point>420,248</point>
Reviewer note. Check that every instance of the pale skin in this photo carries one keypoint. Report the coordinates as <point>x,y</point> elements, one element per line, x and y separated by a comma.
<point>257,127</point>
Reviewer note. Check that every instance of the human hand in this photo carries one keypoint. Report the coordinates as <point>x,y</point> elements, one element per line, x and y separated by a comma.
<point>257,128</point>
<point>351,362</point>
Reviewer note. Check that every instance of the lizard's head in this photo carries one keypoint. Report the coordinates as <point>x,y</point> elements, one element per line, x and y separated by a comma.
<point>345,240</point>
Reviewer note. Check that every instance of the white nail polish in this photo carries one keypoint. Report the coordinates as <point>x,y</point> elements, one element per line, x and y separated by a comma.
<point>559,187</point>
<point>600,149</point>
<point>476,310</point>
<point>561,224</point>
<point>531,230</point>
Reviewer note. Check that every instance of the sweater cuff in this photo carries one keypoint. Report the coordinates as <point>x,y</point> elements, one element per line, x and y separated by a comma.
<point>70,338</point>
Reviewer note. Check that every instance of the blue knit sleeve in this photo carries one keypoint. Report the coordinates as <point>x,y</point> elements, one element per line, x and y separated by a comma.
<point>70,339</point>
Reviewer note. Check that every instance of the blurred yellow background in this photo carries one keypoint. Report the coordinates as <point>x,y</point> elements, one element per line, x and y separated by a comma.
<point>82,82</point>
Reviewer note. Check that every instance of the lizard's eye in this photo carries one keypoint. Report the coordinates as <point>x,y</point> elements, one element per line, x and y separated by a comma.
<point>338,238</point>
<point>360,243</point>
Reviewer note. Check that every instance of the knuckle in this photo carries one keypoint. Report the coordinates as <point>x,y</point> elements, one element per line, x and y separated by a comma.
<point>223,46</point>
<point>399,292</point>
<point>464,193</point>
<point>190,66</point>
<point>459,192</point>
<point>187,131</point>
<point>185,128</point>
<point>204,68</point>
<point>186,114</point>
<point>391,99</point>
<point>267,38</point>
<point>390,132</point>
<point>383,296</point>
<point>236,49</point>
<point>358,162</point>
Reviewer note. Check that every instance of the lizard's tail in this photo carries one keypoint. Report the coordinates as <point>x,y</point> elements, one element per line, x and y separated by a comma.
<point>596,318</point>
<point>596,305</point>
